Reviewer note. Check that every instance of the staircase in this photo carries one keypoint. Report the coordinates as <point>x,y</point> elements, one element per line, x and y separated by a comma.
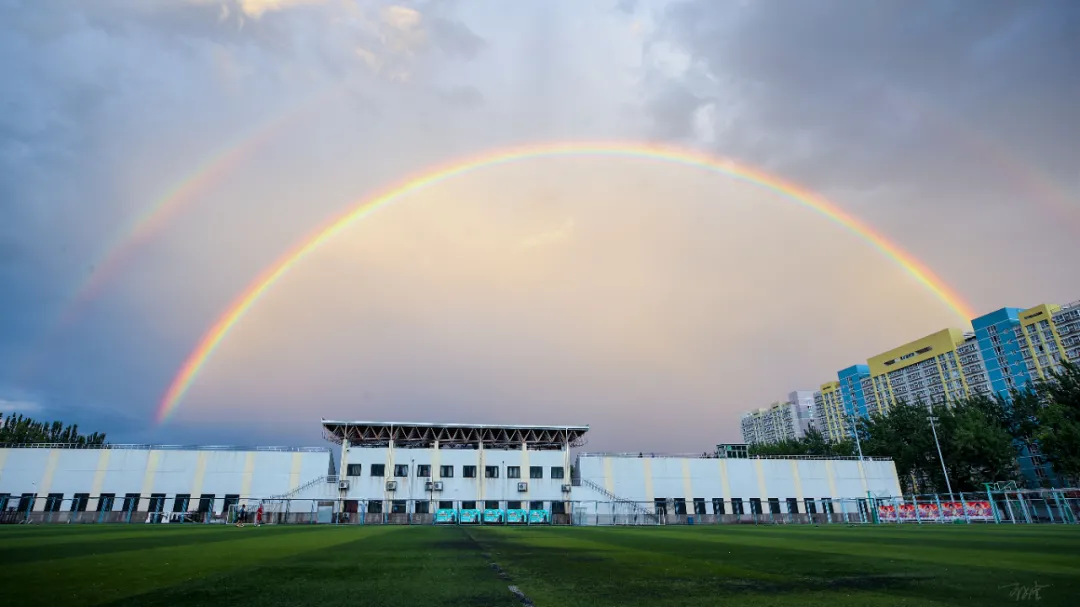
<point>296,491</point>
<point>635,506</point>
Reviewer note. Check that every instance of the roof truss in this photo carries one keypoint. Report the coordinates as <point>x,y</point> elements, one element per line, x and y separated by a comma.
<point>454,436</point>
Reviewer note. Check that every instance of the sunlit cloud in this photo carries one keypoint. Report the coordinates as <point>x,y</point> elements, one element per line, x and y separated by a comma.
<point>559,234</point>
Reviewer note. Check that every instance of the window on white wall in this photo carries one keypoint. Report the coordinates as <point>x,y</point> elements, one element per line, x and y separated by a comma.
<point>181,503</point>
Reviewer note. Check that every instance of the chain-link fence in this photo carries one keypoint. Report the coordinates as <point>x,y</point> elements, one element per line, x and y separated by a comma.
<point>1051,506</point>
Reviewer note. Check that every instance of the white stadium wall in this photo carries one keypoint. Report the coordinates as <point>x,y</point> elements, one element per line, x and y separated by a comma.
<point>314,485</point>
<point>255,473</point>
<point>644,479</point>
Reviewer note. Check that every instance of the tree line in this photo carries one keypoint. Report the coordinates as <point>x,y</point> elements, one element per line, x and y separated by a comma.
<point>982,438</point>
<point>21,430</point>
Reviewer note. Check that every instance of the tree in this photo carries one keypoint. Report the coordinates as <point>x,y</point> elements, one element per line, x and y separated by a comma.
<point>1018,414</point>
<point>904,435</point>
<point>21,430</point>
<point>1058,431</point>
<point>976,448</point>
<point>974,445</point>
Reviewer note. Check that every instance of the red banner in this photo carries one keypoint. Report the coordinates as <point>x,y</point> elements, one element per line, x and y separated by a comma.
<point>931,512</point>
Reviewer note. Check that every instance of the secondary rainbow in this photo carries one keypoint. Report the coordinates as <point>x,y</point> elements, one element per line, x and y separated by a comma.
<point>164,208</point>
<point>365,208</point>
<point>145,227</point>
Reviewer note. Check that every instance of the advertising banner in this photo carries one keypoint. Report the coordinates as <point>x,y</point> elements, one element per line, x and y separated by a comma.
<point>930,512</point>
<point>469,516</point>
<point>445,515</point>
<point>539,516</point>
<point>517,516</point>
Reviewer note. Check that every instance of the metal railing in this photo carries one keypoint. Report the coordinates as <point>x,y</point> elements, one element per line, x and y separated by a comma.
<point>637,508</point>
<point>296,491</point>
<point>1050,506</point>
<point>640,455</point>
<point>148,447</point>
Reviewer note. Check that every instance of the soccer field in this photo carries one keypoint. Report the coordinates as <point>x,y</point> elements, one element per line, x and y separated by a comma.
<point>426,566</point>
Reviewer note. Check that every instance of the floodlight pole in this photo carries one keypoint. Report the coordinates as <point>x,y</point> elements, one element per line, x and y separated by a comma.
<point>855,432</point>
<point>941,458</point>
<point>858,445</point>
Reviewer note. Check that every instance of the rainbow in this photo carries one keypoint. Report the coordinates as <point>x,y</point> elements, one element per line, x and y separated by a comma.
<point>365,208</point>
<point>158,214</point>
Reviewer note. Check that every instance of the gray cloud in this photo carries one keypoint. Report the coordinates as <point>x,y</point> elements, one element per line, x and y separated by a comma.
<point>455,38</point>
<point>463,96</point>
<point>874,86</point>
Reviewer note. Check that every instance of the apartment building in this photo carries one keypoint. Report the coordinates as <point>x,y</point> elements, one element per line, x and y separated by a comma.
<point>938,368</point>
<point>779,421</point>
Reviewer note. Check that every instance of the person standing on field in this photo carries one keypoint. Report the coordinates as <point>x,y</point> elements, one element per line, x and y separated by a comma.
<point>258,515</point>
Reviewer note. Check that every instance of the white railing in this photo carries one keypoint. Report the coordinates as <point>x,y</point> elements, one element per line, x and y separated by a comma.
<point>643,455</point>
<point>297,490</point>
<point>615,498</point>
<point>148,447</point>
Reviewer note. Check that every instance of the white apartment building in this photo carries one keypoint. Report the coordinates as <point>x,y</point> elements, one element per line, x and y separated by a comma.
<point>804,409</point>
<point>779,421</point>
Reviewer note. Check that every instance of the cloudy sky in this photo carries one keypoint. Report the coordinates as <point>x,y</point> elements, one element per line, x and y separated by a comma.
<point>156,157</point>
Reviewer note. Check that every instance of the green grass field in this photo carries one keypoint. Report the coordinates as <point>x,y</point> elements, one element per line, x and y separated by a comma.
<point>197,565</point>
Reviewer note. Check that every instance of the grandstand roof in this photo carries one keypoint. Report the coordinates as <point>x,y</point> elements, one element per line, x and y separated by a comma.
<point>420,435</point>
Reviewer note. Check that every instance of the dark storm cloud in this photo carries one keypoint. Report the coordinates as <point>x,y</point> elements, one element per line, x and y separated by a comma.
<point>454,38</point>
<point>874,88</point>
